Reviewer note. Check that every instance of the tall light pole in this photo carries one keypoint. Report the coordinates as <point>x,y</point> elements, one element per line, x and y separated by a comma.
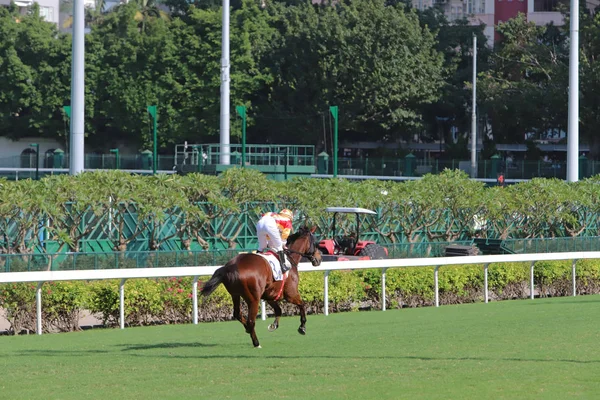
<point>241,110</point>
<point>474,113</point>
<point>76,148</point>
<point>573,129</point>
<point>117,158</point>
<point>153,113</point>
<point>225,152</point>
<point>334,112</point>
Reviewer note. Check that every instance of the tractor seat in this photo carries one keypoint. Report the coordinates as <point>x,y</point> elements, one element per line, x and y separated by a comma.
<point>347,244</point>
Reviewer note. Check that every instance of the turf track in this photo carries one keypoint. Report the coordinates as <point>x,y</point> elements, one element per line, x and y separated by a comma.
<point>525,349</point>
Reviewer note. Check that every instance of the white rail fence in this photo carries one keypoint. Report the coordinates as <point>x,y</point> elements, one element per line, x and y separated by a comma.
<point>327,267</point>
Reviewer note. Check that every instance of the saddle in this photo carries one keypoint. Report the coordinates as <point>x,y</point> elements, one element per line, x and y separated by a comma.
<point>273,260</point>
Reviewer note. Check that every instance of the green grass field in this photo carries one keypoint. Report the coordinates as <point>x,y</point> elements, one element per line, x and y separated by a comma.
<point>527,349</point>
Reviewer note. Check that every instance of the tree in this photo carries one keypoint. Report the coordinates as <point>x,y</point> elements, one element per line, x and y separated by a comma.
<point>453,109</point>
<point>524,92</point>
<point>92,15</point>
<point>35,62</point>
<point>375,62</point>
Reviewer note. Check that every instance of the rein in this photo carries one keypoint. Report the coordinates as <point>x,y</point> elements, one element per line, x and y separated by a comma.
<point>311,256</point>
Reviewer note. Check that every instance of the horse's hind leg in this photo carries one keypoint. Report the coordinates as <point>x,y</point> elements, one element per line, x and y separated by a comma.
<point>252,312</point>
<point>237,314</point>
<point>277,310</point>
<point>296,299</point>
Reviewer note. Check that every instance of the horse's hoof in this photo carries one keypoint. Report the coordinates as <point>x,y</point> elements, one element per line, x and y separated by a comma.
<point>272,327</point>
<point>302,330</point>
<point>258,347</point>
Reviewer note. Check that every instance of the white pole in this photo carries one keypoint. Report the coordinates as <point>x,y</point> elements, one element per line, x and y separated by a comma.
<point>122,303</point>
<point>195,301</point>
<point>383,289</point>
<point>573,133</point>
<point>326,291</point>
<point>574,278</point>
<point>474,113</point>
<point>38,308</point>
<point>437,291</point>
<point>532,293</point>
<point>224,158</point>
<point>263,310</point>
<point>485,282</point>
<point>76,148</point>
<point>110,217</point>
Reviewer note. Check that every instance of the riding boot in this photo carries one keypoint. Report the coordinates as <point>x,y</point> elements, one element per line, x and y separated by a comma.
<point>284,267</point>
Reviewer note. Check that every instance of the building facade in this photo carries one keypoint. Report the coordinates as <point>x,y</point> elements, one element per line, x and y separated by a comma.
<point>492,12</point>
<point>49,9</point>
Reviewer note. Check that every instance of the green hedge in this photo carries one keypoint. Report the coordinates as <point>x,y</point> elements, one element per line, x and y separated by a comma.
<point>169,300</point>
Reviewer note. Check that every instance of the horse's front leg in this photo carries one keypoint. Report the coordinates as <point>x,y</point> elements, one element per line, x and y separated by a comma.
<point>296,299</point>
<point>277,309</point>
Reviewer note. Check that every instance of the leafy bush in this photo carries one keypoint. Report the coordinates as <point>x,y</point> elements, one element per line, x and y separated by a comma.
<point>18,301</point>
<point>62,305</point>
<point>143,303</point>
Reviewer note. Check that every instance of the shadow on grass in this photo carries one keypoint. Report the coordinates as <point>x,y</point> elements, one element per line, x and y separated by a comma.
<point>165,346</point>
<point>258,355</point>
<point>363,357</point>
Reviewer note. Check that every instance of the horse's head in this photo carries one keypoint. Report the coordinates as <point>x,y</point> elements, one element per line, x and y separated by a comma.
<point>303,242</point>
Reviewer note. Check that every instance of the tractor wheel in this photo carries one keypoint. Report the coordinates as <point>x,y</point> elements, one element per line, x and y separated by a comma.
<point>374,251</point>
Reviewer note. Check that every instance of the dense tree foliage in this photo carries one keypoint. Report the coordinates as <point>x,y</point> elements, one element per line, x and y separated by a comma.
<point>288,64</point>
<point>525,91</point>
<point>395,73</point>
<point>34,75</point>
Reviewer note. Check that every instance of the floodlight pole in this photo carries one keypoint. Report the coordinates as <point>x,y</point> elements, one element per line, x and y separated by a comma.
<point>573,129</point>
<point>225,150</point>
<point>474,113</point>
<point>77,137</point>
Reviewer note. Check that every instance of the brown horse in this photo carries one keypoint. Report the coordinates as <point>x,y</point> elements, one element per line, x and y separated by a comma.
<point>250,276</point>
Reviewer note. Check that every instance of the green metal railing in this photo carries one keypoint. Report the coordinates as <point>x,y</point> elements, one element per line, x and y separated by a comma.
<point>553,245</point>
<point>162,259</point>
<point>197,157</point>
<point>256,154</point>
<point>413,167</point>
<point>113,260</point>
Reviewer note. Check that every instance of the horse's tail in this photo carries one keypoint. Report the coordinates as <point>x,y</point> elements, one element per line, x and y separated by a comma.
<point>211,285</point>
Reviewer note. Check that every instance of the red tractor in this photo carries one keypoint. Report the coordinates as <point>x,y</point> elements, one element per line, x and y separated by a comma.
<point>345,248</point>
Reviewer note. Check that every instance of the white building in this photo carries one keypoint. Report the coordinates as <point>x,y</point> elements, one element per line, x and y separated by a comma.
<point>49,9</point>
<point>22,154</point>
<point>492,12</point>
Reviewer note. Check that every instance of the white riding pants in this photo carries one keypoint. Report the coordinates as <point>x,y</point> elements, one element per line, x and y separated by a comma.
<point>268,234</point>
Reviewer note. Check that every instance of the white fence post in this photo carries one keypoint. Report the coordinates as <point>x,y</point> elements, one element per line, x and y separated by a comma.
<point>263,310</point>
<point>195,300</point>
<point>437,287</point>
<point>383,289</point>
<point>532,294</point>
<point>485,281</point>
<point>38,308</point>
<point>122,303</point>
<point>574,280</point>
<point>326,293</point>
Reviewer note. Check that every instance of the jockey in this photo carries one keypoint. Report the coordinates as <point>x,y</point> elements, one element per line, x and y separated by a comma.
<point>273,230</point>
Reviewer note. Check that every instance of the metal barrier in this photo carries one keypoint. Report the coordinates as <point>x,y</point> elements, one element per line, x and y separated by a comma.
<point>29,173</point>
<point>124,274</point>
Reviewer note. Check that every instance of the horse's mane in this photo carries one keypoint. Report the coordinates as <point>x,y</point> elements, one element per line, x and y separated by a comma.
<point>303,231</point>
